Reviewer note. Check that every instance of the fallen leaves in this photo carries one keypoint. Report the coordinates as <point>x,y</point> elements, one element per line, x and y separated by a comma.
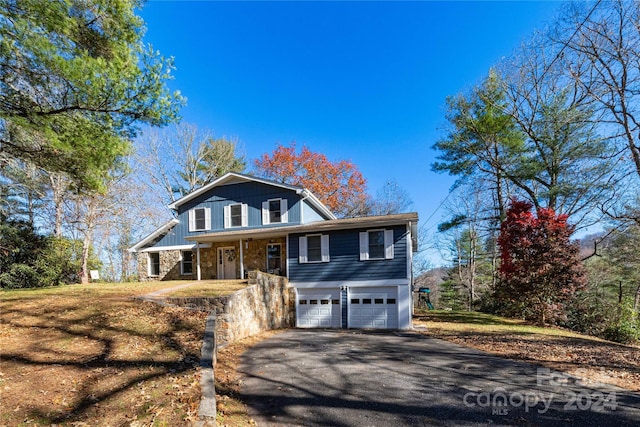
<point>76,362</point>
<point>595,360</point>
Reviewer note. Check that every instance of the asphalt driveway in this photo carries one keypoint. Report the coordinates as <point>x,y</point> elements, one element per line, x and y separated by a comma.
<point>356,378</point>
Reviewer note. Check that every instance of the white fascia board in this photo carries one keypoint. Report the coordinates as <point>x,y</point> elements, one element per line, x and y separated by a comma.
<point>153,235</point>
<point>227,177</point>
<point>351,284</point>
<point>174,248</point>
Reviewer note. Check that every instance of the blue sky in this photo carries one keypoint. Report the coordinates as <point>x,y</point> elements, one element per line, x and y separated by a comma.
<point>364,81</point>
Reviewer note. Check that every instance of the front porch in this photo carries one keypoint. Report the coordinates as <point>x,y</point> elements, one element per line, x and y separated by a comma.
<point>233,259</point>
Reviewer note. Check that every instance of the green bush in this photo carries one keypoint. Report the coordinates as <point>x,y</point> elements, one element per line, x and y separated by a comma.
<point>625,328</point>
<point>20,276</point>
<point>60,261</point>
<point>29,260</point>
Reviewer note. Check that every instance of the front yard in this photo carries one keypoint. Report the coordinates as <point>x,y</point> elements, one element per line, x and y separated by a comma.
<point>92,356</point>
<point>587,357</point>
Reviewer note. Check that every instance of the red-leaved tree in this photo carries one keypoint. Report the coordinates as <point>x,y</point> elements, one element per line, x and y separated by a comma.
<point>339,185</point>
<point>540,269</point>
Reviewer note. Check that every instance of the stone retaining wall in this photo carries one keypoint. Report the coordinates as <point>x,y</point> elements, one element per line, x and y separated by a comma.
<point>267,303</point>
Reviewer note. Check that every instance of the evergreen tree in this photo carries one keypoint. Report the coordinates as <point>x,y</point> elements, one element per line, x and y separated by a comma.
<point>75,78</point>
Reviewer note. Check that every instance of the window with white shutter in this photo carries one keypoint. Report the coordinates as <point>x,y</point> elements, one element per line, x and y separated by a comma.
<point>274,211</point>
<point>376,245</point>
<point>236,215</point>
<point>313,248</point>
<point>200,219</point>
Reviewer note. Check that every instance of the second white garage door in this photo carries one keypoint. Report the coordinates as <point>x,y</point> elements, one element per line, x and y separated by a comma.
<point>318,308</point>
<point>373,308</point>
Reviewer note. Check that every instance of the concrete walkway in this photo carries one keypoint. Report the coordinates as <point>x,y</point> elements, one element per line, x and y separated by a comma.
<point>156,296</point>
<point>355,378</point>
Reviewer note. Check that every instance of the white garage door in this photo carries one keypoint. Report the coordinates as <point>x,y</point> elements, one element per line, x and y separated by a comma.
<point>318,308</point>
<point>373,308</point>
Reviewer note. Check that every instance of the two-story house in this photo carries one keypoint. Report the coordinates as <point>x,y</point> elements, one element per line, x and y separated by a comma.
<point>347,273</point>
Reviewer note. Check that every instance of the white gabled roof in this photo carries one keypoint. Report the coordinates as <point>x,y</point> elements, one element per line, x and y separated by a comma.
<point>151,237</point>
<point>235,178</point>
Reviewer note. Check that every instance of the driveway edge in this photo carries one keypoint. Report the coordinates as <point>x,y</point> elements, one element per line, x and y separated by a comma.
<point>207,409</point>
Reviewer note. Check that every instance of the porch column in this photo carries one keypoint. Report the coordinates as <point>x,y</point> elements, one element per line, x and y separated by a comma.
<point>198,271</point>
<point>241,261</point>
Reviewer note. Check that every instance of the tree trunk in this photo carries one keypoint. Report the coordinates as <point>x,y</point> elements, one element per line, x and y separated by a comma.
<point>90,224</point>
<point>86,244</point>
<point>57,190</point>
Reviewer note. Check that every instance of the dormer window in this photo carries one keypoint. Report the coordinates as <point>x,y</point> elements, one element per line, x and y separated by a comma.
<point>274,211</point>
<point>200,219</point>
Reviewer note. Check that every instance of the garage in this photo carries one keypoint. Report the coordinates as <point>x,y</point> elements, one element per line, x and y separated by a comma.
<point>373,308</point>
<point>318,308</point>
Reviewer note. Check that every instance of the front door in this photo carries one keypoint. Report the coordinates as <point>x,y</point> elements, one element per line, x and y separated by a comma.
<point>227,263</point>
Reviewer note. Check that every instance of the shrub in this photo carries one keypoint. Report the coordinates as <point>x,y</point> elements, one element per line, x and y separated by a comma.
<point>20,276</point>
<point>625,328</point>
<point>59,262</point>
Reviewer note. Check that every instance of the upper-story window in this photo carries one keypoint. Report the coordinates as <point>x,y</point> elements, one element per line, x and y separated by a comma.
<point>200,219</point>
<point>274,211</point>
<point>376,244</point>
<point>313,248</point>
<point>236,215</point>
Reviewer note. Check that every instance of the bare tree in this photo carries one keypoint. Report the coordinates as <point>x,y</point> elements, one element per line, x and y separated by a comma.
<point>391,199</point>
<point>469,239</point>
<point>182,158</point>
<point>601,43</point>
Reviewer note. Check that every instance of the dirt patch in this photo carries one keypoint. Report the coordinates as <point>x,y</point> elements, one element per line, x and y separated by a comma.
<point>71,360</point>
<point>596,361</point>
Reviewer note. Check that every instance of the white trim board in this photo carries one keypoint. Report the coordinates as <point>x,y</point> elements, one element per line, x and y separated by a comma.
<point>173,248</point>
<point>352,284</point>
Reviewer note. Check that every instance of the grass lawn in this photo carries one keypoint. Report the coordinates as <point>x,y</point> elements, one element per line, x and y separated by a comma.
<point>210,288</point>
<point>89,355</point>
<point>559,349</point>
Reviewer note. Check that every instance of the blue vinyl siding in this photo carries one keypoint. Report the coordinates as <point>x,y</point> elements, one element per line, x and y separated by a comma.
<point>174,237</point>
<point>345,264</point>
<point>253,194</point>
<point>309,214</point>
